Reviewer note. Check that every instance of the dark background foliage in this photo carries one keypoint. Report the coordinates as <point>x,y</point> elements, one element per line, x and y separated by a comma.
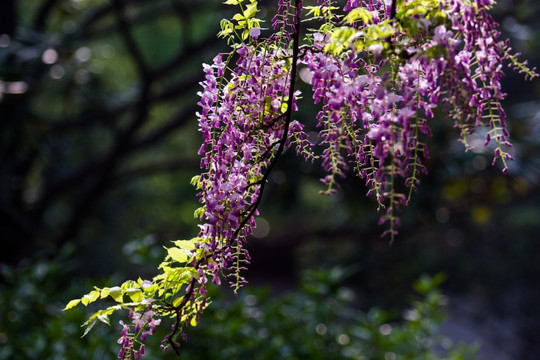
<point>98,143</point>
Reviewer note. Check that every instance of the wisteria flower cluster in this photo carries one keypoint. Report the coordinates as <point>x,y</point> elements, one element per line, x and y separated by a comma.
<point>243,124</point>
<point>380,72</point>
<point>143,324</point>
<point>380,78</point>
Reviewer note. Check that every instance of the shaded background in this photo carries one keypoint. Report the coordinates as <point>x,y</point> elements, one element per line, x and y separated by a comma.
<point>98,143</point>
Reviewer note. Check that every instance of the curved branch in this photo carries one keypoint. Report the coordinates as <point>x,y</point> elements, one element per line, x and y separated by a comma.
<point>129,41</point>
<point>43,13</point>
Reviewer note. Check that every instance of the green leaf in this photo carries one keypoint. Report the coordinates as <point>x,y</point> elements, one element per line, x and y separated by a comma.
<point>116,294</point>
<point>251,10</point>
<point>428,283</point>
<point>185,244</point>
<point>232,2</point>
<point>199,213</point>
<point>135,294</point>
<point>359,13</point>
<point>177,254</point>
<point>71,304</point>
<point>89,327</point>
<point>104,293</point>
<point>238,17</point>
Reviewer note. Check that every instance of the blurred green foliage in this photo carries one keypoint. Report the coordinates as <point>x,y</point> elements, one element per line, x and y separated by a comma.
<point>32,324</point>
<point>318,321</point>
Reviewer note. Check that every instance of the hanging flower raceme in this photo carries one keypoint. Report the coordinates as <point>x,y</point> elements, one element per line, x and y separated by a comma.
<point>380,74</point>
<point>242,122</point>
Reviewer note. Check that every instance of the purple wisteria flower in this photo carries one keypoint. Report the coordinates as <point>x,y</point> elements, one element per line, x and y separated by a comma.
<point>377,98</point>
<point>242,123</point>
<point>134,334</point>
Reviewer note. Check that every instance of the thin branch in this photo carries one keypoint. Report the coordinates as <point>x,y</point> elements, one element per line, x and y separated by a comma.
<point>43,13</point>
<point>129,41</point>
<point>184,54</point>
<point>93,166</point>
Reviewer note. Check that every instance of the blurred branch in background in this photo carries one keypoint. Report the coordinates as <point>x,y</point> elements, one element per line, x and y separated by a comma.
<point>65,139</point>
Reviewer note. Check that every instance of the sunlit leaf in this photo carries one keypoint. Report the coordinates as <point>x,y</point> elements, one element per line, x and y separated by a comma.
<point>116,293</point>
<point>71,304</point>
<point>177,254</point>
<point>185,244</point>
<point>135,294</point>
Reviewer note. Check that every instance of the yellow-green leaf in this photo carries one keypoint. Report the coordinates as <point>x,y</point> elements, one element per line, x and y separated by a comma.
<point>135,294</point>
<point>199,213</point>
<point>71,304</point>
<point>196,180</point>
<point>94,295</point>
<point>313,10</point>
<point>177,301</point>
<point>238,17</point>
<point>177,254</point>
<point>116,293</point>
<point>185,244</point>
<point>91,297</point>
<point>251,10</point>
<point>104,293</point>
<point>359,13</point>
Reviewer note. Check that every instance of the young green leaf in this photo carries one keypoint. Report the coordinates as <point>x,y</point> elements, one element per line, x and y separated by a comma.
<point>71,304</point>
<point>177,254</point>
<point>185,244</point>
<point>116,294</point>
<point>135,294</point>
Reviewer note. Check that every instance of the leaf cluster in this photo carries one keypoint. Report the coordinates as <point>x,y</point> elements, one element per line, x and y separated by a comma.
<point>171,292</point>
<point>242,22</point>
